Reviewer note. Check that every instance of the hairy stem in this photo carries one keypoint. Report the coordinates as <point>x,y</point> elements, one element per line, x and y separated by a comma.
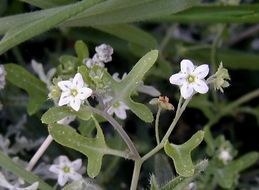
<point>135,176</point>
<point>39,153</point>
<point>120,130</point>
<point>157,124</point>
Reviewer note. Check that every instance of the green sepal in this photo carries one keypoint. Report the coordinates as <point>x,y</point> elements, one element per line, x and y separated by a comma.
<point>181,154</point>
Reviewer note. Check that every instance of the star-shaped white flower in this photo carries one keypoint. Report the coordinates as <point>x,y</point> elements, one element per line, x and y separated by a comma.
<point>191,78</point>
<point>66,170</point>
<point>74,91</point>
<point>119,108</point>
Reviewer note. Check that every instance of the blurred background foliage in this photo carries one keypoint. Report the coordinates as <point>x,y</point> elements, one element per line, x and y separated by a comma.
<point>206,32</point>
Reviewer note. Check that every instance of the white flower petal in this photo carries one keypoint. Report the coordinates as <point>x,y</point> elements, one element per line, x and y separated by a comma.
<point>200,86</point>
<point>186,91</point>
<point>201,71</point>
<point>74,176</point>
<point>120,113</point>
<point>63,159</point>
<point>78,80</point>
<point>76,165</point>
<point>75,103</point>
<point>84,93</point>
<point>187,66</point>
<point>55,169</point>
<point>64,98</point>
<point>62,179</point>
<point>65,85</point>
<point>178,79</point>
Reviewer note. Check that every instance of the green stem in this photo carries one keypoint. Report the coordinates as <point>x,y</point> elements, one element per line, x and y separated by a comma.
<point>120,130</point>
<point>135,176</point>
<point>157,124</point>
<point>119,153</point>
<point>178,114</point>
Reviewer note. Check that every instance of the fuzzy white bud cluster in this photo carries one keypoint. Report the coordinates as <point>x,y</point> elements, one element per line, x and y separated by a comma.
<point>103,55</point>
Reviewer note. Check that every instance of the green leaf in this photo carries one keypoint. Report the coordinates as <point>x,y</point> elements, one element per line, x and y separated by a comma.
<point>48,3</point>
<point>153,183</point>
<point>117,11</point>
<point>216,14</point>
<point>232,59</point>
<point>8,164</point>
<point>93,148</point>
<point>36,89</point>
<point>181,154</point>
<point>20,33</point>
<point>124,89</point>
<point>130,33</point>
<point>227,176</point>
<point>55,114</point>
<point>81,50</point>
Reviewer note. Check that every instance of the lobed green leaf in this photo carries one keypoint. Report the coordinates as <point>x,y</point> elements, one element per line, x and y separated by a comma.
<point>23,79</point>
<point>181,154</point>
<point>93,148</point>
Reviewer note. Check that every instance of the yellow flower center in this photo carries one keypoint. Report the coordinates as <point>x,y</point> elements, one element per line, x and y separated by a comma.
<point>116,105</point>
<point>191,78</point>
<point>66,169</point>
<point>73,92</point>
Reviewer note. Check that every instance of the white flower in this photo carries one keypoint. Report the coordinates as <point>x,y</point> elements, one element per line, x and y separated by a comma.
<point>191,78</point>
<point>2,76</point>
<point>225,156</point>
<point>73,92</point>
<point>119,108</point>
<point>66,170</point>
<point>66,120</point>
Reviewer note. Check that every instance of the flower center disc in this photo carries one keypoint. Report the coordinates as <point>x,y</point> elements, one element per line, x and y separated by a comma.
<point>66,169</point>
<point>191,79</point>
<point>73,92</point>
<point>116,105</point>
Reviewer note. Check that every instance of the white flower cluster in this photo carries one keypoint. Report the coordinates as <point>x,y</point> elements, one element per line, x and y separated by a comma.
<point>66,170</point>
<point>2,77</point>
<point>103,55</point>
